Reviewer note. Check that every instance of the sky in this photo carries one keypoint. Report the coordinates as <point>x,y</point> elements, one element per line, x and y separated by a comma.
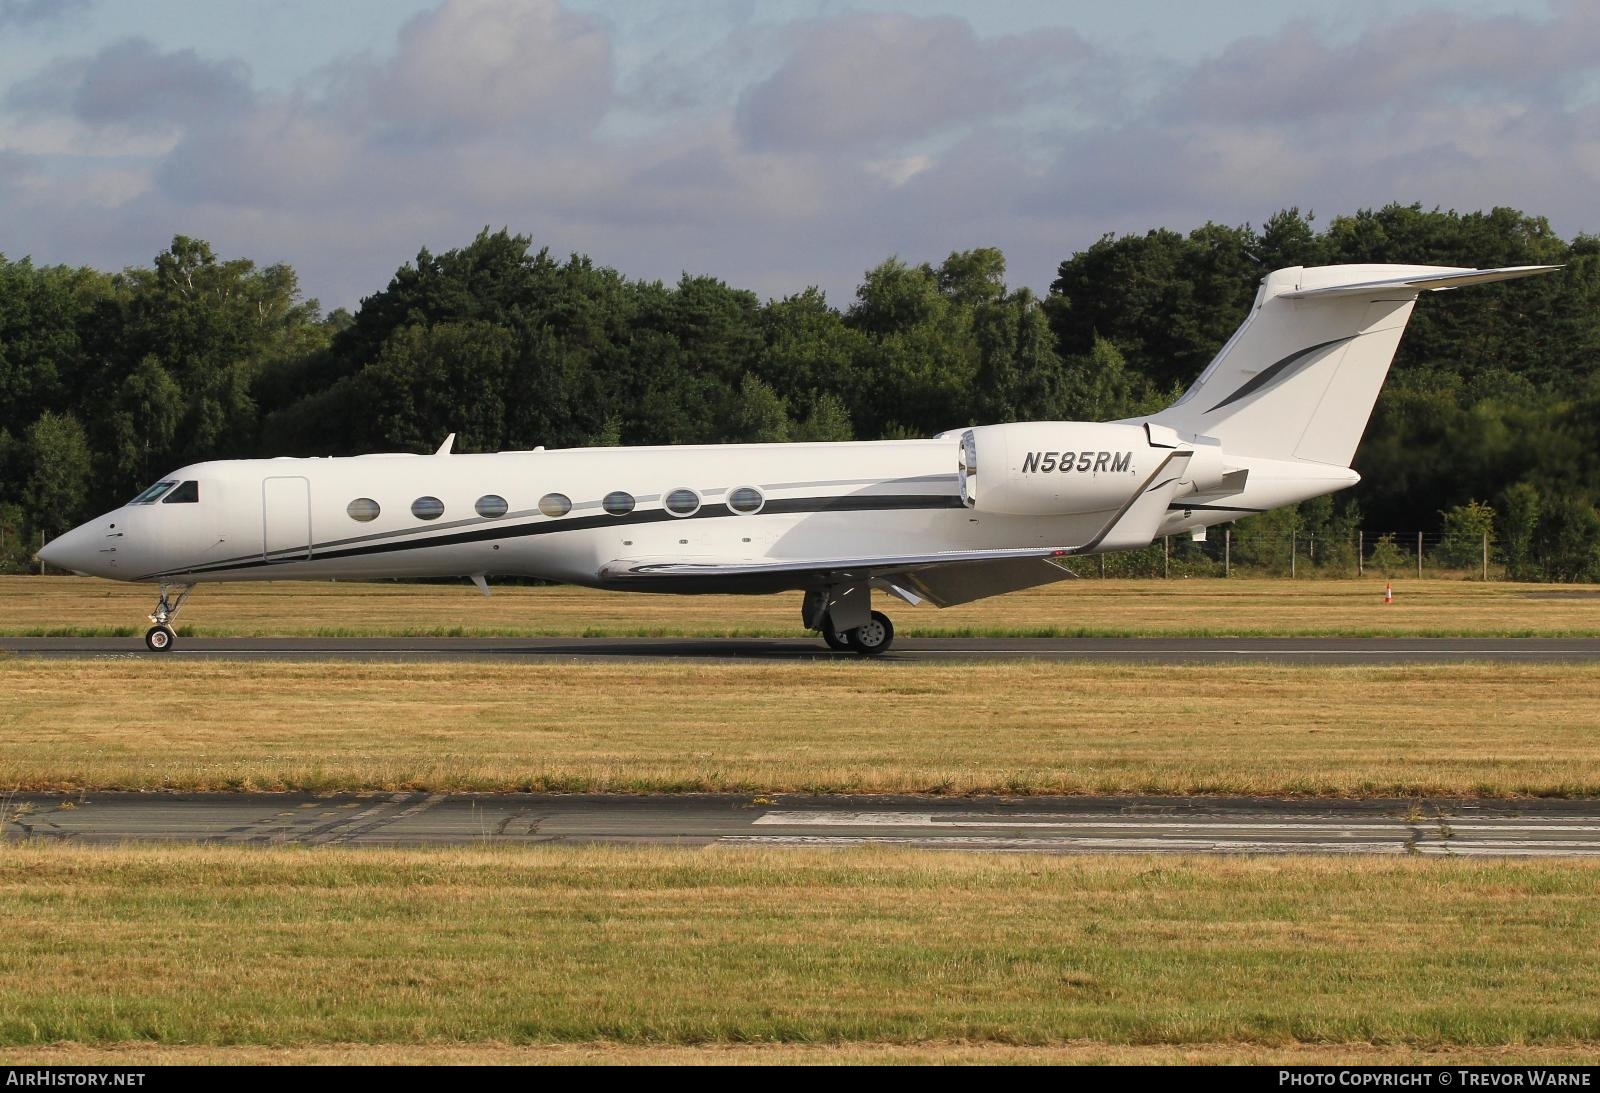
<point>773,145</point>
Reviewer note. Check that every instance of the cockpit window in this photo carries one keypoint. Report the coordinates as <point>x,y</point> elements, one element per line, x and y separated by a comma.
<point>149,496</point>
<point>186,494</point>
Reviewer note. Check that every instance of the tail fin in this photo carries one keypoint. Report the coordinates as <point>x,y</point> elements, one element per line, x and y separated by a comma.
<point>1299,379</point>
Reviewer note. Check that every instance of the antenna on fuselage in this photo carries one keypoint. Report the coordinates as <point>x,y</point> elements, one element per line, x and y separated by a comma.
<point>449,442</point>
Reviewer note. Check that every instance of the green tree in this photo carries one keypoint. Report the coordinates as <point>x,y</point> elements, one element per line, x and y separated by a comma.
<point>1569,539</point>
<point>430,381</point>
<point>1519,524</point>
<point>810,351</point>
<point>1262,541</point>
<point>57,482</point>
<point>1167,301</point>
<point>1099,385</point>
<point>973,278</point>
<point>827,421</point>
<point>1466,529</point>
<point>918,368</point>
<point>1386,557</point>
<point>142,420</point>
<point>759,416</point>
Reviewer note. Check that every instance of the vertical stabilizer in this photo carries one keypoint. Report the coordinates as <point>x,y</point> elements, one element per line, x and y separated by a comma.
<point>1299,379</point>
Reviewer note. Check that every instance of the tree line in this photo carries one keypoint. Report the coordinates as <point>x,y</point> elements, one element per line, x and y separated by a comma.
<point>108,380</point>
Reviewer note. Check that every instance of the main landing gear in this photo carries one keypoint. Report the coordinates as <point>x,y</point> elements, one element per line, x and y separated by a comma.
<point>159,638</point>
<point>846,623</point>
<point>873,636</point>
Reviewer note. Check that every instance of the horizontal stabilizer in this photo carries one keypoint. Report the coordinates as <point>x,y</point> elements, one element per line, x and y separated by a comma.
<point>1431,282</point>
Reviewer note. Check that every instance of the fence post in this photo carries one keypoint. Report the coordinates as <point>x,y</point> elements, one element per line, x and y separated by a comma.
<point>1419,555</point>
<point>1293,544</point>
<point>1486,556</point>
<point>1311,552</point>
<point>1227,551</point>
<point>1361,550</point>
<point>1102,567</point>
<point>41,547</point>
<point>1166,569</point>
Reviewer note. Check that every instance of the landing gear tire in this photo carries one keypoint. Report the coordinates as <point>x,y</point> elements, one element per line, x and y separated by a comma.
<point>838,640</point>
<point>873,637</point>
<point>159,638</point>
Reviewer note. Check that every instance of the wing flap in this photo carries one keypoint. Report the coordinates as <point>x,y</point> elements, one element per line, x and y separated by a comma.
<point>880,566</point>
<point>963,582</point>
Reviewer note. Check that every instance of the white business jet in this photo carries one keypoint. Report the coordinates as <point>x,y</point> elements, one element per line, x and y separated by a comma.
<point>1274,419</point>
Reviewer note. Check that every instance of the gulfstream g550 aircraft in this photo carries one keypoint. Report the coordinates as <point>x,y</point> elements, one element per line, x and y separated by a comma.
<point>977,512</point>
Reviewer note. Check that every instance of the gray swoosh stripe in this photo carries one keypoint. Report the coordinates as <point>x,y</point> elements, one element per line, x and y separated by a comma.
<point>1274,372</point>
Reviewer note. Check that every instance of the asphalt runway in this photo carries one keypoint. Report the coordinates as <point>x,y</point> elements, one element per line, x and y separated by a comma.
<point>1060,825</point>
<point>1323,651</point>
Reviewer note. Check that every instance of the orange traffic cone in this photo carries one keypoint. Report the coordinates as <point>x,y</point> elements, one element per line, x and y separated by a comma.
<point>1388,592</point>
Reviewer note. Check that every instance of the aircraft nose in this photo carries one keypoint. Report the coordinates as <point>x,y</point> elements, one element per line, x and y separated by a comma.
<point>79,550</point>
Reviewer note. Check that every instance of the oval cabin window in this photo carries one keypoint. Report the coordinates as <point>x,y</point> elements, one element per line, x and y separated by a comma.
<point>683,502</point>
<point>746,500</point>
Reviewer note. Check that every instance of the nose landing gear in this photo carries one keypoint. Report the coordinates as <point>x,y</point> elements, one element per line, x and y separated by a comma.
<point>159,638</point>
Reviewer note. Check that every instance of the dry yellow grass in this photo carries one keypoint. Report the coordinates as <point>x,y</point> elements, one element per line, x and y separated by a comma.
<point>846,726</point>
<point>41,605</point>
<point>661,952</point>
<point>1076,1053</point>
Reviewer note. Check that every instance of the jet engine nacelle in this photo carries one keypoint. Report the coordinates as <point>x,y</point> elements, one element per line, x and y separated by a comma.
<point>1056,468</point>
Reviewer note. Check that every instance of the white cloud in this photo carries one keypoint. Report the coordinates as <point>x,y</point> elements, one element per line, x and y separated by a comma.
<point>475,66</point>
<point>820,148</point>
<point>876,79</point>
<point>134,83</point>
<point>28,13</point>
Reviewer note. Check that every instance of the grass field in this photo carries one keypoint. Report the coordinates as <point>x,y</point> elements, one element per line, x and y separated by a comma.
<point>847,726</point>
<point>74,606</point>
<point>563,955</point>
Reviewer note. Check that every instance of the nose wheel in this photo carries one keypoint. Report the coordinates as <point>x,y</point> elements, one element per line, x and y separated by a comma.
<point>159,638</point>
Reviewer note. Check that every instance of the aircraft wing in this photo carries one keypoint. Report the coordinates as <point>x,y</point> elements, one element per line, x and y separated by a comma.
<point>944,577</point>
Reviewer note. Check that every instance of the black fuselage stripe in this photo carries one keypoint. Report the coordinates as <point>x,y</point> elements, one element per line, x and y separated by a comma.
<point>491,531</point>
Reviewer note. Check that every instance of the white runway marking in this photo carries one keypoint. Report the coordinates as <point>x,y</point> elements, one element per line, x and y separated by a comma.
<point>1437,836</point>
<point>1085,845</point>
<point>933,820</point>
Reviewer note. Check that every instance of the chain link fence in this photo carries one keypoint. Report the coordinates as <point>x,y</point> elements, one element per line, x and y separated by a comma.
<point>1225,552</point>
